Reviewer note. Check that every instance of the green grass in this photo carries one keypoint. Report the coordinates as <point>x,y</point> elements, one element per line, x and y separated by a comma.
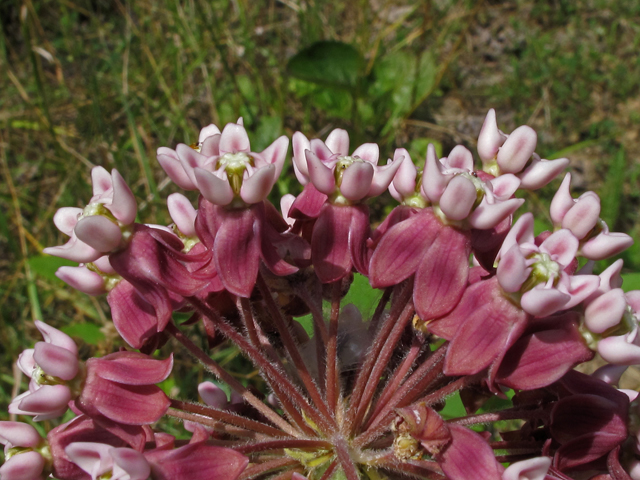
<point>107,82</point>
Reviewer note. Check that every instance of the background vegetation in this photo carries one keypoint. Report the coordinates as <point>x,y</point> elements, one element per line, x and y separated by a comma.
<point>106,82</point>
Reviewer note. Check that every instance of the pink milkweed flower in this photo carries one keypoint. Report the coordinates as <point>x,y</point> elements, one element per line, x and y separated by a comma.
<point>55,372</point>
<point>532,469</point>
<point>514,153</point>
<point>94,278</point>
<point>103,225</point>
<point>536,274</point>
<point>223,167</point>
<point>26,454</point>
<point>582,217</point>
<point>100,459</point>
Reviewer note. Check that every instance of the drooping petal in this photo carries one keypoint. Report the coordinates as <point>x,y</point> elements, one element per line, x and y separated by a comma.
<point>486,216</point>
<point>490,139</point>
<point>458,198</point>
<point>82,279</point>
<point>541,172</point>
<point>213,188</point>
<point>134,318</point>
<point>258,186</point>
<point>517,149</point>
<point>542,302</point>
<point>338,141</point>
<point>234,139</point>
<point>133,368</point>
<point>359,232</point>
<point>469,456</point>
<point>123,206</point>
<point>356,181</point>
<point>308,204</point>
<point>99,232</point>
<point>330,252</point>
<point>56,361</point>
<point>606,245</point>
<point>173,167</point>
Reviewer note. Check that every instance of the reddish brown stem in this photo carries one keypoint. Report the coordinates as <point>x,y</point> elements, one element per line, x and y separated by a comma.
<point>280,444</point>
<point>332,386</point>
<point>260,469</point>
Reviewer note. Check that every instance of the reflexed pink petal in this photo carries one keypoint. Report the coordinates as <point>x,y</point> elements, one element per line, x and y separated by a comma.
<point>26,363</point>
<point>321,176</point>
<point>405,178</point>
<point>308,204</point>
<point>383,176</point>
<point>49,401</point>
<point>132,368</point>
<point>512,270</point>
<point>433,181</point>
<point>123,206</point>
<point>237,252</point>
<point>74,250</point>
<point>173,167</point>
<point>542,302</point>
<point>458,198</point>
<point>487,216</point>
<point>356,181</point>
<point>234,139</point>
<point>541,172</point>
<point>605,311</point>
<point>182,213</point>
<point>82,279</point>
<point>330,252</point>
<point>134,318</point>
<point>93,458</point>
<point>99,232</point>
<point>321,151</point>
<point>23,466</point>
<point>583,216</point>
<point>338,142</point>
<point>66,218</point>
<point>505,185</point>
<point>521,232</point>
<point>606,245</point>
<point>580,287</point>
<point>56,361</point>
<point>129,464</point>
<point>190,159</point>
<point>469,456</point>
<point>562,201</point>
<point>285,206</point>
<point>369,152</point>
<point>208,131</point>
<point>275,154</point>
<point>211,146</point>
<point>401,248</point>
<point>213,188</point>
<point>56,337</point>
<point>460,157</point>
<point>101,180</point>
<point>562,246</point>
<point>490,138</point>
<point>619,351</point>
<point>257,187</point>
<point>212,395</point>
<point>442,274</point>
<point>300,145</point>
<point>517,149</point>
<point>532,469</point>
<point>18,434</point>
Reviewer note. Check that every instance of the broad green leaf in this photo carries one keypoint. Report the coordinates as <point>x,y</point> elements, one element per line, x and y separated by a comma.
<point>47,265</point>
<point>631,281</point>
<point>88,332</point>
<point>328,63</point>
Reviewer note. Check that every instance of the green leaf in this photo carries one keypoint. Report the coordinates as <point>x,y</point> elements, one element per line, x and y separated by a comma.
<point>88,332</point>
<point>47,265</point>
<point>328,63</point>
<point>362,296</point>
<point>631,281</point>
<point>418,150</point>
<point>453,408</point>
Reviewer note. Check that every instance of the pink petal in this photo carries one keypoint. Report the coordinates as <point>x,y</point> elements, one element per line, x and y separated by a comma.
<point>319,148</point>
<point>49,401</point>
<point>134,318</point>
<point>369,152</point>
<point>606,245</point>
<point>308,204</point>
<point>23,466</point>
<point>300,145</point>
<point>66,218</point>
<point>542,302</point>
<point>517,149</point>
<point>93,458</point>
<point>208,131</point>
<point>461,158</point>
<point>182,213</point>
<point>101,180</point>
<point>562,201</point>
<point>275,154</point>
<point>580,288</point>
<point>330,243</point>
<point>521,232</point>
<point>433,181</point>
<point>129,464</point>
<point>383,176</point>
<point>633,299</point>
<point>173,167</point>
<point>490,138</point>
<point>485,216</point>
<point>359,232</point>
<point>458,198</point>
<point>211,146</point>
<point>619,351</point>
<point>505,185</point>
<point>99,232</point>
<point>74,250</point>
<point>258,186</point>
<point>132,368</point>
<point>234,139</point>
<point>82,279</point>
<point>18,434</point>
<point>26,363</point>
<point>469,456</point>
<point>610,374</point>
<point>356,181</point>
<point>213,188</point>
<point>512,270</point>
<point>541,172</point>
<point>321,176</point>
<point>56,337</point>
<point>405,178</point>
<point>212,395</point>
<point>190,159</point>
<point>123,206</point>
<point>532,469</point>
<point>562,246</point>
<point>583,216</point>
<point>338,142</point>
<point>56,361</point>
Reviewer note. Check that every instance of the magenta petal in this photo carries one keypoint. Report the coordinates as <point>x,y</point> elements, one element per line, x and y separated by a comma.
<point>542,302</point>
<point>517,149</point>
<point>173,167</point>
<point>132,368</point>
<point>82,279</point>
<point>358,234</point>
<point>18,434</point>
<point>123,206</point>
<point>257,187</point>
<point>401,248</point>
<point>56,337</point>
<point>458,198</point>
<point>442,275</point>
<point>56,361</point>
<point>66,218</point>
<point>213,188</point>
<point>308,204</point>
<point>356,181</point>
<point>133,317</point>
<point>320,175</point>
<point>99,232</point>
<point>469,456</point>
<point>23,466</point>
<point>490,138</point>
<point>330,243</point>
<point>234,139</point>
<point>338,142</point>
<point>237,252</point>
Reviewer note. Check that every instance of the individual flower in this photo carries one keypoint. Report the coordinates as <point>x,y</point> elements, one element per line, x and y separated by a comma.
<point>26,454</point>
<point>100,459</point>
<point>94,278</point>
<point>55,372</point>
<point>514,153</point>
<point>103,225</point>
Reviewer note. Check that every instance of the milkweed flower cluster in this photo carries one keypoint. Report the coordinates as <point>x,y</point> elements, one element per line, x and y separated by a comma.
<point>472,302</point>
